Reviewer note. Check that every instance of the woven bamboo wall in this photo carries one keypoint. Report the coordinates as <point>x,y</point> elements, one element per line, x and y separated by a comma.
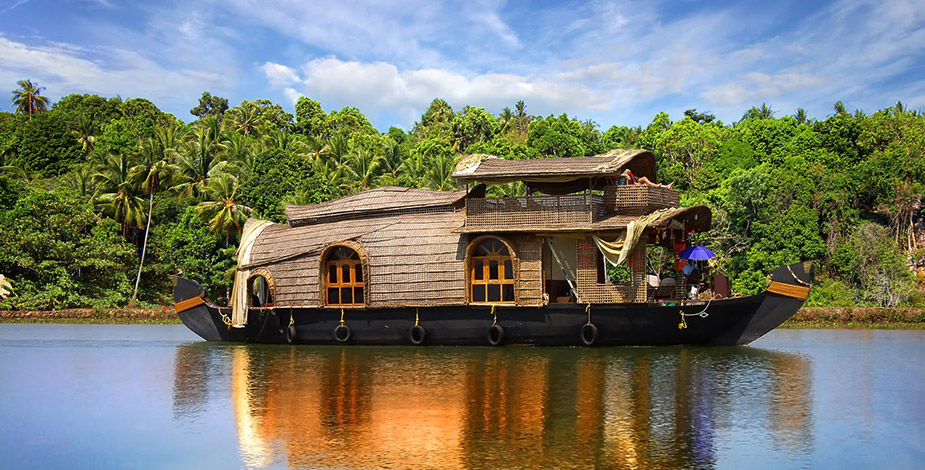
<point>530,282</point>
<point>591,291</point>
<point>640,199</point>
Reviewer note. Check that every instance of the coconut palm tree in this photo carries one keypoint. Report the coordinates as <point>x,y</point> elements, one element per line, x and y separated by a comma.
<point>198,159</point>
<point>393,155</point>
<point>153,172</point>
<point>415,167</point>
<point>244,119</point>
<point>85,132</point>
<point>282,141</point>
<point>504,119</point>
<point>439,173</point>
<point>338,150</point>
<point>364,167</point>
<point>83,181</point>
<point>120,198</point>
<point>316,147</point>
<point>27,99</point>
<point>222,209</point>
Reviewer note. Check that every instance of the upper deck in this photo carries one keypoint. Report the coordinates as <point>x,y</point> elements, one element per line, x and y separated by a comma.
<point>581,211</point>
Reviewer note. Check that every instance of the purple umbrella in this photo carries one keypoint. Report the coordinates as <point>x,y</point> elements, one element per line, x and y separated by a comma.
<point>696,253</point>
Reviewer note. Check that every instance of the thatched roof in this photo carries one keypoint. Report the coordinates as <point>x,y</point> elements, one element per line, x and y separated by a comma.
<point>493,170</point>
<point>384,199</point>
<point>413,259</point>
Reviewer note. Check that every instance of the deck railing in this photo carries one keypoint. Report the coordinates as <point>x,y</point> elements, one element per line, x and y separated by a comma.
<point>638,199</point>
<point>571,210</point>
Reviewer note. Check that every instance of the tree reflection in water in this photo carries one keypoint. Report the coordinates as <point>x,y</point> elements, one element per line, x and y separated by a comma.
<point>497,408</point>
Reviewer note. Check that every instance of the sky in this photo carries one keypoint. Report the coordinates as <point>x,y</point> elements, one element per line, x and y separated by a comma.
<point>614,62</point>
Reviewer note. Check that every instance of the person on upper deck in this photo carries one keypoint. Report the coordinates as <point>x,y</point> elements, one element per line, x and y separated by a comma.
<point>632,179</point>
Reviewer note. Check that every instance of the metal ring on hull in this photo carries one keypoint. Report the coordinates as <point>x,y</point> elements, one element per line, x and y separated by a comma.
<point>495,335</point>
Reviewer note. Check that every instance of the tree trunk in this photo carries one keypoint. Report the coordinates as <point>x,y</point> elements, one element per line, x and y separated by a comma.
<point>144,247</point>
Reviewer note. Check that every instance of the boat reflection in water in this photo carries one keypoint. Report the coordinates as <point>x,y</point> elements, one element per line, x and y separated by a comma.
<point>488,408</point>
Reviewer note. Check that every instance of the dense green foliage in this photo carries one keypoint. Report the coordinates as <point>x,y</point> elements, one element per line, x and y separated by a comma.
<point>77,180</point>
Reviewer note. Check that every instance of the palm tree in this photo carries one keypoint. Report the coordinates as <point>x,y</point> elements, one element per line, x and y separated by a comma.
<point>505,118</point>
<point>153,171</point>
<point>764,112</point>
<point>85,133</point>
<point>439,174</point>
<point>801,116</point>
<point>239,151</point>
<point>393,155</point>
<point>288,143</point>
<point>27,98</point>
<point>120,194</point>
<point>245,120</point>
<point>83,181</point>
<point>364,167</point>
<point>338,150</point>
<point>415,167</point>
<point>222,210</point>
<point>839,108</point>
<point>198,159</point>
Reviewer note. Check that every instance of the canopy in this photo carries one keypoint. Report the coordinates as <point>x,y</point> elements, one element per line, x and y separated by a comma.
<point>696,253</point>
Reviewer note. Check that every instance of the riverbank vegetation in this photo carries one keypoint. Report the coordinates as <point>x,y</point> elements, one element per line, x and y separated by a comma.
<point>95,190</point>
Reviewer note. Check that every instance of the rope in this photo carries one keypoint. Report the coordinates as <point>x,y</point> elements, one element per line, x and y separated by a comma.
<point>795,278</point>
<point>588,311</point>
<point>291,317</point>
<point>225,319</point>
<point>702,314</point>
<point>494,315</point>
<point>545,298</point>
<point>416,317</point>
<point>341,316</point>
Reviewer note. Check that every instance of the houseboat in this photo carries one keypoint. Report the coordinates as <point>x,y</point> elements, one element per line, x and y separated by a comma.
<point>410,266</point>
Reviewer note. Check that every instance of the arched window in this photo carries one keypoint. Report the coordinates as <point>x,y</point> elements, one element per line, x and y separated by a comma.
<point>260,292</point>
<point>491,272</point>
<point>344,277</point>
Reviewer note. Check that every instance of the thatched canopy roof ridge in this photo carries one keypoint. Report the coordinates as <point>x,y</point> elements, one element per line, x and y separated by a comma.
<point>384,199</point>
<point>494,170</point>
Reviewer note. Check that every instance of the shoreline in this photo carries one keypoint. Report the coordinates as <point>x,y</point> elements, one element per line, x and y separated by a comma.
<point>807,317</point>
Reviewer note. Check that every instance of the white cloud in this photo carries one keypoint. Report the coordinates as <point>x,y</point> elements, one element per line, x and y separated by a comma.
<point>69,69</point>
<point>279,75</point>
<point>405,31</point>
<point>756,86</point>
<point>379,86</point>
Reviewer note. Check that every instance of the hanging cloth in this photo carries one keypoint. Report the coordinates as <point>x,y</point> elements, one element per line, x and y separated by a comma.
<point>618,250</point>
<point>239,294</point>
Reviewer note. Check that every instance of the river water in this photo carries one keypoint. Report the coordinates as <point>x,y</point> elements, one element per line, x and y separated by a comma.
<point>141,396</point>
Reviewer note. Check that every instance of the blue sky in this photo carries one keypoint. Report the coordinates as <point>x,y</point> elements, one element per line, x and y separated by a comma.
<point>611,61</point>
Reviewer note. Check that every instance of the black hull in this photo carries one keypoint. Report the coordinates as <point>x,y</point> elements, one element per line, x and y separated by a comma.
<point>735,321</point>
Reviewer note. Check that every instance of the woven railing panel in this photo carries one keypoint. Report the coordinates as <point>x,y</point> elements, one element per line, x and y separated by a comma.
<point>535,211</point>
<point>643,198</point>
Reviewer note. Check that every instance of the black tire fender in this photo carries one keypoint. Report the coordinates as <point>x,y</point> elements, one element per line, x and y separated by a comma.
<point>495,335</point>
<point>588,334</point>
<point>291,333</point>
<point>342,333</point>
<point>417,334</point>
